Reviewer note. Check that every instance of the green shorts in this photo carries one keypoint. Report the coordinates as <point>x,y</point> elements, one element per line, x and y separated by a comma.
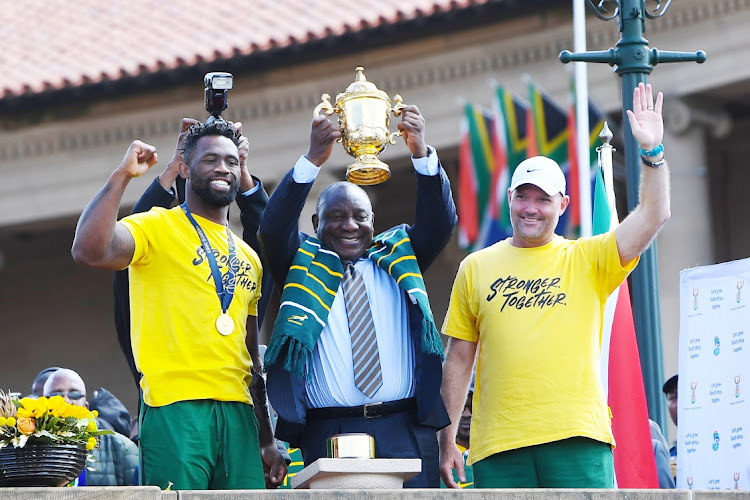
<point>576,462</point>
<point>201,445</point>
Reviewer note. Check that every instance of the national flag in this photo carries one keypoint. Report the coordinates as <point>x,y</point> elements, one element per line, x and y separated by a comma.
<point>635,466</point>
<point>548,136</point>
<point>509,148</point>
<point>596,123</point>
<point>475,167</point>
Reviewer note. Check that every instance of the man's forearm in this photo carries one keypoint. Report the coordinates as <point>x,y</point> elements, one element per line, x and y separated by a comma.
<point>654,193</point>
<point>279,225</point>
<point>640,227</point>
<point>96,226</point>
<point>435,217</point>
<point>456,378</point>
<point>260,406</point>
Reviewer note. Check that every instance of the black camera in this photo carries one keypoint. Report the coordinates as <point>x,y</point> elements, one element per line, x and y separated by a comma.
<point>217,88</point>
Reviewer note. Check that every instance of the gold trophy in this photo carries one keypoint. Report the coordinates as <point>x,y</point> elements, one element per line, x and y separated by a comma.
<point>364,117</point>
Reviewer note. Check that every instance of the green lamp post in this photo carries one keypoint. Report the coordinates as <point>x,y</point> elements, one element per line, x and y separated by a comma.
<point>633,61</point>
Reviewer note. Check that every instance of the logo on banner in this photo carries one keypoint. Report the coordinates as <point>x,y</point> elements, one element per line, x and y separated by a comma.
<point>740,284</point>
<point>693,385</point>
<point>695,298</point>
<point>715,446</point>
<point>736,480</point>
<point>737,386</point>
<point>717,345</point>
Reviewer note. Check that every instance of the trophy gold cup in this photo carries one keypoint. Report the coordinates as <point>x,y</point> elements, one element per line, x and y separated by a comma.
<point>364,112</point>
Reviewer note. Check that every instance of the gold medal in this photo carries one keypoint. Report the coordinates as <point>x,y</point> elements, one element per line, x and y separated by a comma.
<point>224,324</point>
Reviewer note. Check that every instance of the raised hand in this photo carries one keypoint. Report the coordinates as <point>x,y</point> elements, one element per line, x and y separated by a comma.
<point>138,159</point>
<point>412,127</point>
<point>170,173</point>
<point>246,180</point>
<point>184,127</point>
<point>645,119</point>
<point>322,136</point>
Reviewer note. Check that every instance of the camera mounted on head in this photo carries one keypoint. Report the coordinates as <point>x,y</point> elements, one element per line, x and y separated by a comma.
<point>217,89</point>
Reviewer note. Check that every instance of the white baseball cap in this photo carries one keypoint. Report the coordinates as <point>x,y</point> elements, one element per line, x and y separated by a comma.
<point>542,172</point>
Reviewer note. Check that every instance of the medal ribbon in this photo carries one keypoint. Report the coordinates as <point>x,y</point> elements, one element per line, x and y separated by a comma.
<point>225,294</point>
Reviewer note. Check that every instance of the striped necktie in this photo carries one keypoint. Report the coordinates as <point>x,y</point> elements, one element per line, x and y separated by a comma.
<point>368,375</point>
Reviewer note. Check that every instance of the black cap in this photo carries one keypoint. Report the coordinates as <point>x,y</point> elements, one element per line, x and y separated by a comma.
<point>46,371</point>
<point>670,385</point>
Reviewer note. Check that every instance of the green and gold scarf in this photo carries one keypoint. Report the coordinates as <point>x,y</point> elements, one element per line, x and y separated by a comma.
<point>311,285</point>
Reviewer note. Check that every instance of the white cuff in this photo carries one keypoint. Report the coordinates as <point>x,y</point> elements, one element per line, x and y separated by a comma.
<point>427,165</point>
<point>304,171</point>
<point>251,190</point>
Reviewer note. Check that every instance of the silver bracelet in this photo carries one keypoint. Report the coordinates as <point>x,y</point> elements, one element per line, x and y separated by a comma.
<point>653,164</point>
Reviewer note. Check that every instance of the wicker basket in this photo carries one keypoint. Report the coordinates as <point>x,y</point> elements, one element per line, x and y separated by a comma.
<point>41,464</point>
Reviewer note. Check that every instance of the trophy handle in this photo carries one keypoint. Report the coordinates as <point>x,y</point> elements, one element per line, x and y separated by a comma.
<point>398,105</point>
<point>324,105</point>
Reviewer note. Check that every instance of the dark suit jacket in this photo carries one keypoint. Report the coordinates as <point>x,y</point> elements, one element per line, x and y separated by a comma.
<point>434,223</point>
<point>156,196</point>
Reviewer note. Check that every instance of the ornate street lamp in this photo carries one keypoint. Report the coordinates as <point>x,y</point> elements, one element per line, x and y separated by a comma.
<point>634,60</point>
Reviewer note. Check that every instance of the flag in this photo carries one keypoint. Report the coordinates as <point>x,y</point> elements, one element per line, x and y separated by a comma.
<point>475,168</point>
<point>509,149</point>
<point>596,123</point>
<point>548,136</point>
<point>635,466</point>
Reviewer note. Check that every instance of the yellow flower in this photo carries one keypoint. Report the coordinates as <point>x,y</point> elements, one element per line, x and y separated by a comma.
<point>78,412</point>
<point>11,422</point>
<point>38,407</point>
<point>91,427</point>
<point>56,405</point>
<point>26,425</point>
<point>2,421</point>
<point>91,443</point>
<point>24,413</point>
<point>95,413</point>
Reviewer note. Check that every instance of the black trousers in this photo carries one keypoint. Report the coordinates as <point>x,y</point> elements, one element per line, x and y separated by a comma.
<point>398,435</point>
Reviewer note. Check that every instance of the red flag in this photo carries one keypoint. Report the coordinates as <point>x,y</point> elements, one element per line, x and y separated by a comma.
<point>635,466</point>
<point>468,225</point>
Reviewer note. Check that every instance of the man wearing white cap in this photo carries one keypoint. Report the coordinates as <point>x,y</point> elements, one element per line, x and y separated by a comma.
<point>534,305</point>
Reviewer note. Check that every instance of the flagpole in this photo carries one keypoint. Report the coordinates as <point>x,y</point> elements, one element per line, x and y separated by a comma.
<point>605,160</point>
<point>582,118</point>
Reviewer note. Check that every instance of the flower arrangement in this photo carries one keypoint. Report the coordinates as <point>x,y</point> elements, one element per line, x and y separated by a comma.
<point>46,420</point>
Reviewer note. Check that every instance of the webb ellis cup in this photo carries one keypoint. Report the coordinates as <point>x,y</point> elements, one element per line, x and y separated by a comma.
<point>364,117</point>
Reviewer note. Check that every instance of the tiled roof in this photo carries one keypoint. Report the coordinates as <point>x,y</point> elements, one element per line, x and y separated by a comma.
<point>54,44</point>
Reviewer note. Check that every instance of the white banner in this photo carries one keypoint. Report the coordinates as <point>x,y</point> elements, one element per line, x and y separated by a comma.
<point>713,391</point>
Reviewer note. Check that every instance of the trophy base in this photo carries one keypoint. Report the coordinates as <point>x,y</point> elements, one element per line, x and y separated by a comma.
<point>367,171</point>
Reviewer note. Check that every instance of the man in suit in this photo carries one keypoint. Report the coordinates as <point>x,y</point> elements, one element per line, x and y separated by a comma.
<point>315,357</point>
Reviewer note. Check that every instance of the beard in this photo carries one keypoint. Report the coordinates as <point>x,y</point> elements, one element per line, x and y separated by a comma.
<point>202,188</point>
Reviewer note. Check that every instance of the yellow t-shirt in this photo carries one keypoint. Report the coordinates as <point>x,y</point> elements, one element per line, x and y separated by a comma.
<point>174,306</point>
<point>537,316</point>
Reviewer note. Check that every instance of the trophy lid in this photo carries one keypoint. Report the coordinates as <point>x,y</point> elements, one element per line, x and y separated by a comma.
<point>360,84</point>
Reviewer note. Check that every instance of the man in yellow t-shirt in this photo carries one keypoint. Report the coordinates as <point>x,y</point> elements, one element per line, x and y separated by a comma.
<point>533,304</point>
<point>194,289</point>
